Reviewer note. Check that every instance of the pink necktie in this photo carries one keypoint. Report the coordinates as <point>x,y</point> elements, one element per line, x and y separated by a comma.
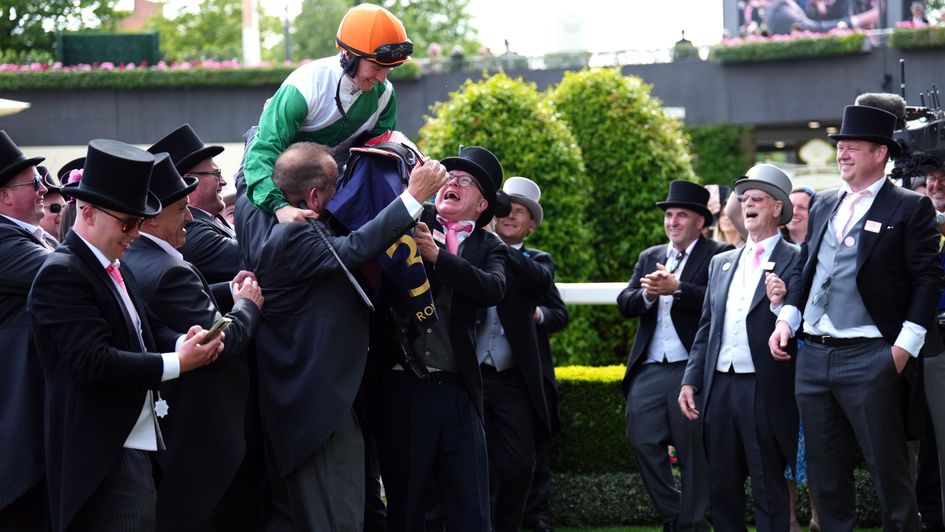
<point>115,274</point>
<point>755,263</point>
<point>452,234</point>
<point>847,214</point>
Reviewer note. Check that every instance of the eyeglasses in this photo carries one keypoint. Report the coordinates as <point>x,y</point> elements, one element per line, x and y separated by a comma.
<point>746,198</point>
<point>125,224</point>
<point>218,174</point>
<point>36,182</point>
<point>386,54</point>
<point>55,208</point>
<point>463,180</point>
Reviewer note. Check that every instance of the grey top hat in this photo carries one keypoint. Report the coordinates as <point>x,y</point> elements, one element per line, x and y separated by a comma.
<point>772,180</point>
<point>526,192</point>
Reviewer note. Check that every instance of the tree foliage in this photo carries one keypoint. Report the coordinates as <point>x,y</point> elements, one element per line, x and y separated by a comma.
<point>314,29</point>
<point>446,22</point>
<point>208,29</point>
<point>632,150</point>
<point>29,26</point>
<point>721,152</point>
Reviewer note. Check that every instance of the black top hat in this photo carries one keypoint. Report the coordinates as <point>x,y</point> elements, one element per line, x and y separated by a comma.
<point>688,195</point>
<point>12,160</point>
<point>861,122</point>
<point>185,148</point>
<point>166,182</point>
<point>486,168</point>
<point>116,176</point>
<point>50,181</point>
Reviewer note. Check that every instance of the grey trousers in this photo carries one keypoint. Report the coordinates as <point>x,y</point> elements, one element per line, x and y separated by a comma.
<point>847,396</point>
<point>326,493</point>
<point>125,501</point>
<point>655,421</point>
<point>934,374</point>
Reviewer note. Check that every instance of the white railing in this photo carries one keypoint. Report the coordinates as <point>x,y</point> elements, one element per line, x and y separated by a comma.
<point>590,293</point>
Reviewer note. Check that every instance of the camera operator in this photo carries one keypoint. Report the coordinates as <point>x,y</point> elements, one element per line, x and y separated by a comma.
<point>932,449</point>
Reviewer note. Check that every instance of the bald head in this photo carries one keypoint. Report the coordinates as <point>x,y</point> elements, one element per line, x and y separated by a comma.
<point>302,167</point>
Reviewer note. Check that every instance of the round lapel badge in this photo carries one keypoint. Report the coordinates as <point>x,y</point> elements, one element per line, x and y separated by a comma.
<point>849,241</point>
<point>727,266</point>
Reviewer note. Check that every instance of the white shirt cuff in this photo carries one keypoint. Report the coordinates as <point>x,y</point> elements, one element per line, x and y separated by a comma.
<point>541,316</point>
<point>911,338</point>
<point>171,366</point>
<point>413,206</point>
<point>791,315</point>
<point>647,303</point>
<point>776,310</point>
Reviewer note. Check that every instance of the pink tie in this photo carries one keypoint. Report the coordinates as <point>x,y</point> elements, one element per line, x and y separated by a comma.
<point>755,263</point>
<point>847,214</point>
<point>115,274</point>
<point>452,234</point>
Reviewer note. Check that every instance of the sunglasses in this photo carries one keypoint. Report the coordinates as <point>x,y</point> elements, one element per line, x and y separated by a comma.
<point>386,54</point>
<point>125,224</point>
<point>55,208</point>
<point>218,174</point>
<point>36,182</point>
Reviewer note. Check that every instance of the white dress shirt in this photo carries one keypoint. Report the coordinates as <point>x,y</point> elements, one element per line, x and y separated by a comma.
<point>734,351</point>
<point>665,344</point>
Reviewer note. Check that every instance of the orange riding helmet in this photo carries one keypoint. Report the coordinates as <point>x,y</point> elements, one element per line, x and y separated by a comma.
<point>371,32</point>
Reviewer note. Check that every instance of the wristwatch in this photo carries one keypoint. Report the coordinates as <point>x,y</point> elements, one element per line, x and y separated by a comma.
<point>677,295</point>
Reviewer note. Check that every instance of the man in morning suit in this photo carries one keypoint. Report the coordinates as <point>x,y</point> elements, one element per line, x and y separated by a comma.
<point>428,415</point>
<point>666,293</point>
<point>211,243</point>
<point>99,347</point>
<point>746,398</point>
<point>23,249</point>
<point>515,410</point>
<point>312,345</point>
<point>551,316</point>
<point>204,438</point>
<point>867,287</point>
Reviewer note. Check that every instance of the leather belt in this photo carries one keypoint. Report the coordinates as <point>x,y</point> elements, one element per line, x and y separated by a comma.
<point>833,341</point>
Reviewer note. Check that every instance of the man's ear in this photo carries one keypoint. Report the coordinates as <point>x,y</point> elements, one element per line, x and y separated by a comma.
<point>483,205</point>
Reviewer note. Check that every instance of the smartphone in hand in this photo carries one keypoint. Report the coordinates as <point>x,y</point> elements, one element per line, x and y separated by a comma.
<point>217,328</point>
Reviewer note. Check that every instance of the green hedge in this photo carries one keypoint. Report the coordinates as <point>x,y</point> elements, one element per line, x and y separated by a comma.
<point>593,422</point>
<point>594,479</point>
<point>619,499</point>
<point>910,38</point>
<point>721,152</point>
<point>802,47</point>
<point>632,151</point>
<point>154,78</point>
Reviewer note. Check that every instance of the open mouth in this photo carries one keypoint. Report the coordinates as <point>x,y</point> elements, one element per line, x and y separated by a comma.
<point>751,215</point>
<point>451,196</point>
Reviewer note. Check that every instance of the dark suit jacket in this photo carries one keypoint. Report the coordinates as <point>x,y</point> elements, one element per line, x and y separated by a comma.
<point>775,379</point>
<point>902,258</point>
<point>211,248</point>
<point>21,377</point>
<point>203,432</point>
<point>312,344</point>
<point>685,312</point>
<point>96,374</point>
<point>477,277</point>
<point>555,318</point>
<point>529,275</point>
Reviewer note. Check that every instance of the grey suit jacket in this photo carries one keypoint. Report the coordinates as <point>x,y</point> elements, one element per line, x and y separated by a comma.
<point>775,378</point>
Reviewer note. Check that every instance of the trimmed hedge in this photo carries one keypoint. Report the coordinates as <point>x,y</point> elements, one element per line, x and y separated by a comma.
<point>508,117</point>
<point>593,422</point>
<point>614,499</point>
<point>912,38</point>
<point>157,78</point>
<point>594,479</point>
<point>798,48</point>
<point>632,151</point>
